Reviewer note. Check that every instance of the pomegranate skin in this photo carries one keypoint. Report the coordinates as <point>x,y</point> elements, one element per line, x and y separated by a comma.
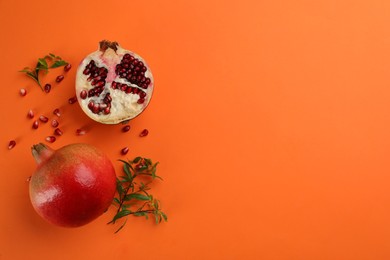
<point>73,185</point>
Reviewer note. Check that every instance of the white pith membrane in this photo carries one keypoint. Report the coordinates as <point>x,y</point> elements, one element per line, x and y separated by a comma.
<point>124,106</point>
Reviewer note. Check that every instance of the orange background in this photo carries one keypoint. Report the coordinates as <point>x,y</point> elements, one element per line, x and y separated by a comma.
<point>270,120</point>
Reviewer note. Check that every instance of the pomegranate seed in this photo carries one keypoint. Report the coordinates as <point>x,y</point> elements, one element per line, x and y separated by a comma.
<point>35,124</point>
<point>144,132</point>
<point>43,119</point>
<point>83,94</point>
<point>59,78</point>
<point>125,150</point>
<point>80,132</point>
<point>11,144</point>
<point>23,92</point>
<point>47,88</point>
<point>72,100</point>
<point>67,67</point>
<point>28,179</point>
<point>50,139</point>
<point>57,112</point>
<point>95,108</point>
<point>106,111</point>
<point>141,101</point>
<point>91,104</point>
<point>142,94</point>
<point>30,114</point>
<point>58,132</point>
<point>126,128</point>
<point>54,123</point>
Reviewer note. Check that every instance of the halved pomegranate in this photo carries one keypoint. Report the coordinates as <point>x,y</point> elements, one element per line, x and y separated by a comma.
<point>113,84</point>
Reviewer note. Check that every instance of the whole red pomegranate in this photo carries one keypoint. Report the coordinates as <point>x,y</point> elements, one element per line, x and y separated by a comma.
<point>113,84</point>
<point>72,185</point>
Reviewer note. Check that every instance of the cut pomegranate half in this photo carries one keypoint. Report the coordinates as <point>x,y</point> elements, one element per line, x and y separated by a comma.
<point>113,84</point>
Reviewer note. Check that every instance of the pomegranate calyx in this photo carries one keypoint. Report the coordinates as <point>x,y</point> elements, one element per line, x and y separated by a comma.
<point>104,45</point>
<point>41,152</point>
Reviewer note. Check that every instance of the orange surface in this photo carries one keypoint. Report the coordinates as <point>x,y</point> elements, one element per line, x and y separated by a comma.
<point>270,120</point>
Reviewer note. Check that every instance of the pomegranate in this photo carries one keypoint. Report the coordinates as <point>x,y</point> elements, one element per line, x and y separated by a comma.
<point>113,84</point>
<point>72,185</point>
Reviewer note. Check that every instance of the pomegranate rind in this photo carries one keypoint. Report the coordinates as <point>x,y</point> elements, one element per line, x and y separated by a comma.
<point>124,106</point>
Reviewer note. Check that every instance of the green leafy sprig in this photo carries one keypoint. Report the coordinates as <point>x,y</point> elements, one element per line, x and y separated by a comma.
<point>50,61</point>
<point>133,197</point>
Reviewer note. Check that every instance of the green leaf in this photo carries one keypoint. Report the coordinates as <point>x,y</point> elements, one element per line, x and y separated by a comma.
<point>139,214</point>
<point>137,159</point>
<point>42,64</point>
<point>116,200</point>
<point>58,63</point>
<point>165,217</point>
<point>124,223</point>
<point>137,196</point>
<point>119,188</point>
<point>148,161</point>
<point>157,217</point>
<point>126,169</point>
<point>121,214</point>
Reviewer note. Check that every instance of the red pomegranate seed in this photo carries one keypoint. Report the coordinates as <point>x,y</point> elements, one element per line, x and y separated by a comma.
<point>80,132</point>
<point>28,179</point>
<point>59,78</point>
<point>11,144</point>
<point>72,100</point>
<point>106,111</point>
<point>47,88</point>
<point>67,67</point>
<point>125,150</point>
<point>144,132</point>
<point>141,101</point>
<point>23,92</point>
<point>50,139</point>
<point>126,128</point>
<point>35,124</point>
<point>142,94</point>
<point>43,119</point>
<point>83,94</point>
<point>57,112</point>
<point>58,132</point>
<point>95,108</point>
<point>54,123</point>
<point>30,114</point>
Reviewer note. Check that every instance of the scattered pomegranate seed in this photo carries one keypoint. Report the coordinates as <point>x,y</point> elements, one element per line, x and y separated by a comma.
<point>30,114</point>
<point>23,92</point>
<point>80,132</point>
<point>57,112</point>
<point>50,139</point>
<point>35,124</point>
<point>58,132</point>
<point>59,78</point>
<point>125,150</point>
<point>47,88</point>
<point>126,128</point>
<point>54,123</point>
<point>67,67</point>
<point>144,132</point>
<point>72,100</point>
<point>28,179</point>
<point>43,119</point>
<point>11,144</point>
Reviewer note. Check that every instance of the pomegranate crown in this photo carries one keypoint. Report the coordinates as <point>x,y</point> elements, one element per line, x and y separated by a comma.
<point>104,45</point>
